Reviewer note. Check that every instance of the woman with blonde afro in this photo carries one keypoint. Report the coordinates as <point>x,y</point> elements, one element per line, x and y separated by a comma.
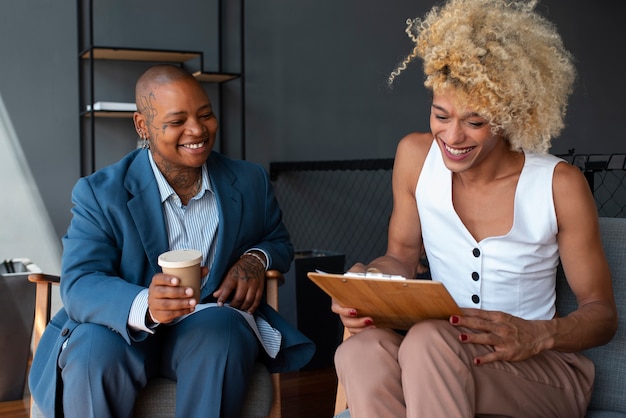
<point>496,214</point>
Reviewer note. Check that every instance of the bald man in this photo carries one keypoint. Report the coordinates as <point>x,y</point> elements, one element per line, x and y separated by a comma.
<point>123,320</point>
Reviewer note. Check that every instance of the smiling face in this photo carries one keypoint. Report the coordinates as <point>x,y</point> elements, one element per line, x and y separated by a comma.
<point>179,122</point>
<point>464,137</point>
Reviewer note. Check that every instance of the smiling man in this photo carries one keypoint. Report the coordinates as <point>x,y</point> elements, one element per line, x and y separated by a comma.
<point>124,321</point>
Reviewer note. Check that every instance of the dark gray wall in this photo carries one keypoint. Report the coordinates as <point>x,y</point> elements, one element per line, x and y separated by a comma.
<point>315,76</point>
<point>316,73</point>
<point>594,32</point>
<point>38,69</point>
<point>316,79</point>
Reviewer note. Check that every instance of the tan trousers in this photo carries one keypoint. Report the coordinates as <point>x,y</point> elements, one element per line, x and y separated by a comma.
<point>429,373</point>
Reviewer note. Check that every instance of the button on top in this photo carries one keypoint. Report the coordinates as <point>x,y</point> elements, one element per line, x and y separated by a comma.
<point>65,332</point>
<point>475,276</point>
<point>475,298</point>
<point>476,252</point>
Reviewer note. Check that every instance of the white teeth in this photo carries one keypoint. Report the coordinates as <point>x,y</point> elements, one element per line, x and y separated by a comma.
<point>457,152</point>
<point>194,146</point>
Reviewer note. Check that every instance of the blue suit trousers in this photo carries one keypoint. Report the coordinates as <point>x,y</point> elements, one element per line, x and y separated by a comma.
<point>210,355</point>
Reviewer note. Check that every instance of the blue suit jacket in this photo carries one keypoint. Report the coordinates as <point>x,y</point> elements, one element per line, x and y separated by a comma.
<point>116,235</point>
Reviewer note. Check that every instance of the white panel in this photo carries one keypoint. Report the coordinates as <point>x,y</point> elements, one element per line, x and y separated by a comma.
<point>26,230</point>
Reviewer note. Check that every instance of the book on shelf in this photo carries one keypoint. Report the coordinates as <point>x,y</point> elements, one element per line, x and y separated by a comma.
<point>113,107</point>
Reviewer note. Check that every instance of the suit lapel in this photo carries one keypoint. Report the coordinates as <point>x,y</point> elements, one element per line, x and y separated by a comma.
<point>229,202</point>
<point>145,208</point>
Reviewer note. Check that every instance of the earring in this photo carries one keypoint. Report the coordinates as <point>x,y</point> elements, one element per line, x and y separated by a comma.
<point>143,142</point>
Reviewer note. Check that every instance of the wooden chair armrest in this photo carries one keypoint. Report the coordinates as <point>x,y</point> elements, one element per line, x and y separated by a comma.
<point>43,303</point>
<point>275,274</point>
<point>44,278</point>
<point>273,279</point>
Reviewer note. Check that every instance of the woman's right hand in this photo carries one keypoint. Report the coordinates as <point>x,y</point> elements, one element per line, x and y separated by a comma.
<point>349,316</point>
<point>351,319</point>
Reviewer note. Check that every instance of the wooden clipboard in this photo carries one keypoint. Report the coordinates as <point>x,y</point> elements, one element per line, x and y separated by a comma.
<point>392,303</point>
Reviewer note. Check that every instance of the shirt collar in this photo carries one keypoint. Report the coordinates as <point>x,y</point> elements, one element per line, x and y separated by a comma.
<point>165,190</point>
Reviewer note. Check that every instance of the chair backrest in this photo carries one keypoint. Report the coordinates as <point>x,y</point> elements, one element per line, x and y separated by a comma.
<point>610,359</point>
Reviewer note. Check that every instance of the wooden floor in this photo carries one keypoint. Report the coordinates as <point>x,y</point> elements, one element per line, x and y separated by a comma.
<point>15,409</point>
<point>305,394</point>
<point>308,394</point>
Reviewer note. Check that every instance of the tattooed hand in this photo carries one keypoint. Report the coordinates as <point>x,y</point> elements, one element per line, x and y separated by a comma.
<point>245,281</point>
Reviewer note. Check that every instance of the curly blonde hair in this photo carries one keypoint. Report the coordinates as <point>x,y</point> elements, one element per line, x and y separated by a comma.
<point>501,58</point>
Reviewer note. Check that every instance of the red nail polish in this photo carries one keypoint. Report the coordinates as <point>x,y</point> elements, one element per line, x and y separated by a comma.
<point>454,319</point>
<point>368,322</point>
<point>352,312</point>
<point>463,337</point>
<point>477,361</point>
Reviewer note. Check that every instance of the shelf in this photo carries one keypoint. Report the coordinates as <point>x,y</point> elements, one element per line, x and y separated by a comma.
<point>214,77</point>
<point>153,55</point>
<point>132,54</point>
<point>111,110</point>
<point>109,114</point>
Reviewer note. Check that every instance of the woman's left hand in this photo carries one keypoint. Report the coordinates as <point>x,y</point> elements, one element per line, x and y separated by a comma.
<point>512,338</point>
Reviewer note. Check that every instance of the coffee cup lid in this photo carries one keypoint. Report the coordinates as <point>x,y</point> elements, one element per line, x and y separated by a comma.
<point>180,258</point>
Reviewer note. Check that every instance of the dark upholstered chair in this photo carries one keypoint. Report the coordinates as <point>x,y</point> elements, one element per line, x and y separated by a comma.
<point>158,399</point>
<point>609,394</point>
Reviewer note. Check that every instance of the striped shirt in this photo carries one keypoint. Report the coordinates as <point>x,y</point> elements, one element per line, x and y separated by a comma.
<point>193,226</point>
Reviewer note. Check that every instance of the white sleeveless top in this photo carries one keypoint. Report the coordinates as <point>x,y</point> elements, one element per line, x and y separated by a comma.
<point>513,273</point>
